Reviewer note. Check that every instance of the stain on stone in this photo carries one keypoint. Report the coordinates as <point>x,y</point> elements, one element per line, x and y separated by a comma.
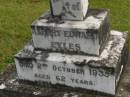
<point>56,19</point>
<point>83,63</point>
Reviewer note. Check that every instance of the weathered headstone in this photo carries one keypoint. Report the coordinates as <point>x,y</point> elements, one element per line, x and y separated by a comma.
<point>88,72</point>
<point>70,9</point>
<point>78,54</point>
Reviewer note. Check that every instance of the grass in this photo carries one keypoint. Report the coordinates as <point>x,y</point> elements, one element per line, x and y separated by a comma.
<point>16,17</point>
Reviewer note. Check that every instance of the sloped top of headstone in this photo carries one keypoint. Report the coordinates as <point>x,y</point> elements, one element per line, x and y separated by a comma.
<point>94,19</point>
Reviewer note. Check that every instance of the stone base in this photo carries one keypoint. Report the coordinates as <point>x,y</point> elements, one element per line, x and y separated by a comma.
<point>11,87</point>
<point>77,71</point>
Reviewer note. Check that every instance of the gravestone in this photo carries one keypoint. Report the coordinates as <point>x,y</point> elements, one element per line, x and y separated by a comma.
<point>75,52</point>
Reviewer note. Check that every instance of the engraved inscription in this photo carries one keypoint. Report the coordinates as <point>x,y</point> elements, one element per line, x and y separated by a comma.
<point>68,70</point>
<point>69,8</point>
<point>64,40</point>
<point>65,46</point>
<point>43,76</point>
<point>80,81</point>
<point>26,64</point>
<point>100,72</point>
<point>68,74</point>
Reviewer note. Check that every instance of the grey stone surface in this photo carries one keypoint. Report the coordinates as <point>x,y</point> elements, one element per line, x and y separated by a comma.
<point>70,9</point>
<point>11,87</point>
<point>99,73</point>
<point>81,37</point>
